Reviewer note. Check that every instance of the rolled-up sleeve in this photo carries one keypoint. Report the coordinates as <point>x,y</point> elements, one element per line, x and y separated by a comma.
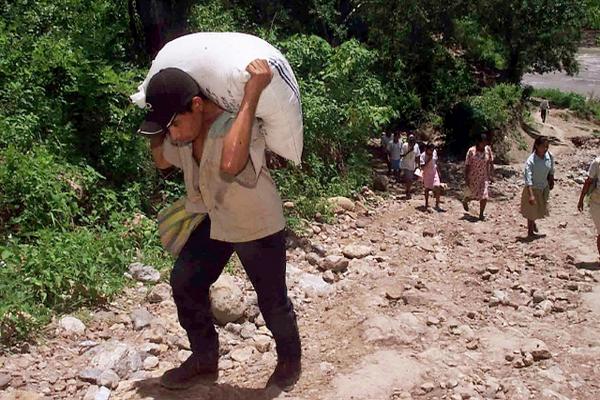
<point>528,173</point>
<point>593,171</point>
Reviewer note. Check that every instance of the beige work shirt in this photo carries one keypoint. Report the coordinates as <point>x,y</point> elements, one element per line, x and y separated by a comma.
<point>241,208</point>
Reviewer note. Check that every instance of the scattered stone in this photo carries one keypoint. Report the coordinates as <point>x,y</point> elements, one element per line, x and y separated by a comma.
<point>312,258</point>
<point>159,293</point>
<point>334,263</point>
<point>242,355</point>
<point>356,251</point>
<point>183,355</point>
<point>141,318</point>
<point>312,285</point>
<point>342,203</point>
<point>427,387</point>
<point>538,296</point>
<point>143,273</point>
<point>90,375</point>
<point>97,393</point>
<point>4,381</point>
<point>493,269</point>
<point>573,286</point>
<point>150,362</point>
<point>262,343</point>
<point>109,378</point>
<point>433,321</point>
<point>563,275</point>
<point>118,356</point>
<point>362,223</point>
<point>70,326</point>
<point>227,300</point>
<point>472,345</point>
<point>528,359</point>
<point>329,277</point>
<point>537,349</point>
<point>289,205</point>
<point>394,293</point>
<point>248,330</point>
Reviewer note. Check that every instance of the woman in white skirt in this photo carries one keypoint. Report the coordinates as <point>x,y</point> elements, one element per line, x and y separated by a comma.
<point>539,180</point>
<point>590,188</point>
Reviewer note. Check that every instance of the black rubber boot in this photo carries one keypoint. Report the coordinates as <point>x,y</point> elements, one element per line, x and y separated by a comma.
<point>286,374</point>
<point>195,369</point>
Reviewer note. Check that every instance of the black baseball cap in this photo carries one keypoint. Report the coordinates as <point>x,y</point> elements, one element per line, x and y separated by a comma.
<point>167,94</point>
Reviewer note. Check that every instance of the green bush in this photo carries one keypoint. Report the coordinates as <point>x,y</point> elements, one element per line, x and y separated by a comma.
<point>40,191</point>
<point>584,108</point>
<point>60,271</point>
<point>495,110</point>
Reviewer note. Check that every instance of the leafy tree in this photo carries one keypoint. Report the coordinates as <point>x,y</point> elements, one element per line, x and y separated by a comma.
<point>536,35</point>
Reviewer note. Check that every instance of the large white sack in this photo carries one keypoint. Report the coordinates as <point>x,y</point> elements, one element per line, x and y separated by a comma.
<point>218,61</point>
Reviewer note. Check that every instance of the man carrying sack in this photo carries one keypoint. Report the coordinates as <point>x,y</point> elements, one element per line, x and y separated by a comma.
<point>222,156</point>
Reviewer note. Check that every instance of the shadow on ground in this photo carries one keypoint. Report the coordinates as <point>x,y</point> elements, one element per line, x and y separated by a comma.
<point>151,389</point>
<point>590,266</point>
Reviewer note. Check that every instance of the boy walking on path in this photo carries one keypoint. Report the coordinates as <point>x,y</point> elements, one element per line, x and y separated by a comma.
<point>222,156</point>
<point>395,152</point>
<point>410,155</point>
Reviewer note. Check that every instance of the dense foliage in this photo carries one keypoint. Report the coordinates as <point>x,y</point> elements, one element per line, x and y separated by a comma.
<point>79,193</point>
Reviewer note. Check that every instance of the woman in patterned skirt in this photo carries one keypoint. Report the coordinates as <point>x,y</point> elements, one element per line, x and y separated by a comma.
<point>479,167</point>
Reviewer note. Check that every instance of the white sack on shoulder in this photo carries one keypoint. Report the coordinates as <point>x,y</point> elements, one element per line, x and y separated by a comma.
<point>217,61</point>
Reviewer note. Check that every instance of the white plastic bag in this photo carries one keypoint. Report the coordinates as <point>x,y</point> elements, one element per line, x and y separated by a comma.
<point>217,61</point>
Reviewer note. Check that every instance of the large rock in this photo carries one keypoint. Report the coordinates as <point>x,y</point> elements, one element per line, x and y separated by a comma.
<point>311,284</point>
<point>141,318</point>
<point>357,251</point>
<point>536,348</point>
<point>342,203</point>
<point>143,273</point>
<point>70,326</point>
<point>334,263</point>
<point>380,182</point>
<point>227,300</point>
<point>109,378</point>
<point>118,356</point>
<point>97,393</point>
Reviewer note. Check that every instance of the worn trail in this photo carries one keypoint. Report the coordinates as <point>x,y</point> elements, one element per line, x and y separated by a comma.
<point>393,303</point>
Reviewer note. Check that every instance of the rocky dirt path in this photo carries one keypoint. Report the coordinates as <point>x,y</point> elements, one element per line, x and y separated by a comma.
<point>393,302</point>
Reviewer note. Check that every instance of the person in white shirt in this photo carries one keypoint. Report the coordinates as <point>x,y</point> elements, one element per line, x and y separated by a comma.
<point>590,189</point>
<point>395,152</point>
<point>386,139</point>
<point>410,153</point>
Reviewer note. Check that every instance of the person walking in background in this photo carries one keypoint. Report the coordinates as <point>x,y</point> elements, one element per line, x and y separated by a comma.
<point>395,154</point>
<point>539,180</point>
<point>590,189</point>
<point>410,155</point>
<point>431,175</point>
<point>386,139</point>
<point>544,109</point>
<point>479,167</point>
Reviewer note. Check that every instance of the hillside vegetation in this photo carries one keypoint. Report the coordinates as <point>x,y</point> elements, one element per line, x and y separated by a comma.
<point>79,193</point>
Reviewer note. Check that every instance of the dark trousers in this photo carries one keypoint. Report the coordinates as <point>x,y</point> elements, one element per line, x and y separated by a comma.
<point>544,113</point>
<point>199,265</point>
